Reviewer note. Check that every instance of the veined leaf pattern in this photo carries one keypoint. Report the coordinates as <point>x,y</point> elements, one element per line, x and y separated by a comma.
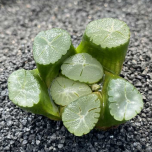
<point>125,102</point>
<point>81,115</point>
<point>82,67</point>
<point>108,32</point>
<point>49,46</point>
<point>64,91</point>
<point>24,90</point>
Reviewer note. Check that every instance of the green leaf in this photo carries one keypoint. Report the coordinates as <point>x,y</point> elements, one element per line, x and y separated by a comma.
<point>23,88</point>
<point>120,101</point>
<point>28,91</point>
<point>81,115</point>
<point>82,67</point>
<point>125,102</point>
<point>64,91</point>
<point>50,49</point>
<point>108,32</point>
<point>106,40</point>
<point>49,46</point>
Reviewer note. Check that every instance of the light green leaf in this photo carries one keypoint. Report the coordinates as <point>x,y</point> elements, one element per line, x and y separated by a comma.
<point>81,115</point>
<point>125,102</point>
<point>49,46</point>
<point>29,92</point>
<point>82,67</point>
<point>50,49</point>
<point>23,88</point>
<point>106,40</point>
<point>108,32</point>
<point>64,91</point>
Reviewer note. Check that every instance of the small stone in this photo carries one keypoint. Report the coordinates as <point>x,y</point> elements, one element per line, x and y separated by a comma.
<point>9,123</point>
<point>93,150</point>
<point>60,146</point>
<point>37,142</point>
<point>24,142</point>
<point>134,62</point>
<point>138,84</point>
<point>145,71</point>
<point>150,74</point>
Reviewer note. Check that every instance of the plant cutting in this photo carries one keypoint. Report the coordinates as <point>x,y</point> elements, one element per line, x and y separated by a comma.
<point>107,40</point>
<point>120,100</point>
<point>50,49</point>
<point>81,87</point>
<point>28,91</point>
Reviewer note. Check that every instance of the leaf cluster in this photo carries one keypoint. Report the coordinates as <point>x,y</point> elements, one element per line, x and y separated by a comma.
<point>81,86</point>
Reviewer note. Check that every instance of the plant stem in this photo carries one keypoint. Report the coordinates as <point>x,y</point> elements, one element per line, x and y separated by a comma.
<point>50,49</point>
<point>120,101</point>
<point>50,71</point>
<point>106,120</point>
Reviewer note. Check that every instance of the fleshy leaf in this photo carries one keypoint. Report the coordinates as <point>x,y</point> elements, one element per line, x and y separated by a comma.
<point>82,67</point>
<point>64,91</point>
<point>50,49</point>
<point>125,102</point>
<point>106,40</point>
<point>108,32</point>
<point>23,88</point>
<point>29,92</point>
<point>81,115</point>
<point>49,46</point>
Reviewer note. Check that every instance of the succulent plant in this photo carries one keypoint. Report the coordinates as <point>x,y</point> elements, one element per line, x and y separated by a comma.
<point>81,86</point>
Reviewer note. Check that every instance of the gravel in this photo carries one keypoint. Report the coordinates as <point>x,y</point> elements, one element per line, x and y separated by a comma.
<point>20,21</point>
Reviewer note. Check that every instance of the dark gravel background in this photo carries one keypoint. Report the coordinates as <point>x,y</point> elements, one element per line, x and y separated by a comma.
<point>20,21</point>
